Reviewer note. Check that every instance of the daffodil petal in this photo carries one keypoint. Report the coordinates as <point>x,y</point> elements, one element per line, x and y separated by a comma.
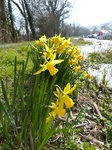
<point>72,89</point>
<point>47,48</point>
<point>38,72</point>
<point>61,103</point>
<point>54,62</point>
<point>52,69</point>
<point>54,114</point>
<point>55,93</point>
<point>61,112</point>
<point>68,101</point>
<point>49,118</point>
<point>53,104</point>
<point>67,88</point>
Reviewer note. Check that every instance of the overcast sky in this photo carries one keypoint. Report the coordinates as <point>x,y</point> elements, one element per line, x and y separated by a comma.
<point>91,12</point>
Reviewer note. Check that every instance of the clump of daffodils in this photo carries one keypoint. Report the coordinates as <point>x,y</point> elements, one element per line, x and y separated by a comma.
<point>59,51</point>
<point>52,49</point>
<point>62,99</point>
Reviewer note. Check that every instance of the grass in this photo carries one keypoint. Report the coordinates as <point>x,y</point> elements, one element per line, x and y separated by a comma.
<point>7,57</point>
<point>103,57</point>
<point>95,59</point>
<point>80,42</point>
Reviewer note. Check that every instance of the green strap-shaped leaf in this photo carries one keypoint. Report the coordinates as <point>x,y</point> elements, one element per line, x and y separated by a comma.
<point>50,133</point>
<point>7,104</point>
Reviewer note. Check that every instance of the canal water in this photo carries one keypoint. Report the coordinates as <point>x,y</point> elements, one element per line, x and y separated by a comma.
<point>99,46</point>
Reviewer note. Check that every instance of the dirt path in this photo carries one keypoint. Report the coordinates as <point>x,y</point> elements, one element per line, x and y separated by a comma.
<point>9,45</point>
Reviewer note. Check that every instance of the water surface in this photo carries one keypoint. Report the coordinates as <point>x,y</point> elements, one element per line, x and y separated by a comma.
<point>99,46</point>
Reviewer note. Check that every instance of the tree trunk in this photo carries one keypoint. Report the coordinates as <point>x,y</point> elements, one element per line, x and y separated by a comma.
<point>26,21</point>
<point>11,22</point>
<point>3,22</point>
<point>30,19</point>
<point>22,11</point>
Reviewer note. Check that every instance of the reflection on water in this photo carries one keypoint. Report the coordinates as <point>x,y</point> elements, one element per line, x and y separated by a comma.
<point>99,46</point>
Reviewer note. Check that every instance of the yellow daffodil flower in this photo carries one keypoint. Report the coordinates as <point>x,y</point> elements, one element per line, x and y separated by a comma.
<point>66,43</point>
<point>87,74</point>
<point>67,89</point>
<point>77,68</point>
<point>52,113</point>
<point>73,61</point>
<point>63,98</point>
<point>60,49</point>
<point>78,52</point>
<point>80,57</point>
<point>55,111</point>
<point>57,39</point>
<point>67,100</point>
<point>48,53</point>
<point>72,51</point>
<point>42,40</point>
<point>50,66</point>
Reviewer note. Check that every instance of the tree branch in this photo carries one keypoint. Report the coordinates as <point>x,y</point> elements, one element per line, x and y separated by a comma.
<point>18,7</point>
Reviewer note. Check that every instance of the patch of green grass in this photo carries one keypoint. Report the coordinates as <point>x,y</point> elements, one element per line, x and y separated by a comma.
<point>108,56</point>
<point>104,57</point>
<point>88,146</point>
<point>7,57</point>
<point>82,42</point>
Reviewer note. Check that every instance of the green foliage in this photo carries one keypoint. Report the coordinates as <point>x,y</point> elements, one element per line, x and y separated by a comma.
<point>7,56</point>
<point>102,57</point>
<point>27,106</point>
<point>78,42</point>
<point>25,102</point>
<point>109,135</point>
<point>28,110</point>
<point>87,146</point>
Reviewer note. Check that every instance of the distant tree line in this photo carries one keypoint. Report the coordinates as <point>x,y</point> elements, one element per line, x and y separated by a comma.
<point>75,30</point>
<point>36,18</point>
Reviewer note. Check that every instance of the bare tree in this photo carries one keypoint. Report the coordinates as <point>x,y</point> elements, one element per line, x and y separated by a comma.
<point>43,16</point>
<point>51,12</point>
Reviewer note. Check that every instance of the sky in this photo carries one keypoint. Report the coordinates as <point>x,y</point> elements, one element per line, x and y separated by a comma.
<point>91,12</point>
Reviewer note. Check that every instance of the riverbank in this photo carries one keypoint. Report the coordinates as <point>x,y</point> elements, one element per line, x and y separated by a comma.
<point>98,59</point>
